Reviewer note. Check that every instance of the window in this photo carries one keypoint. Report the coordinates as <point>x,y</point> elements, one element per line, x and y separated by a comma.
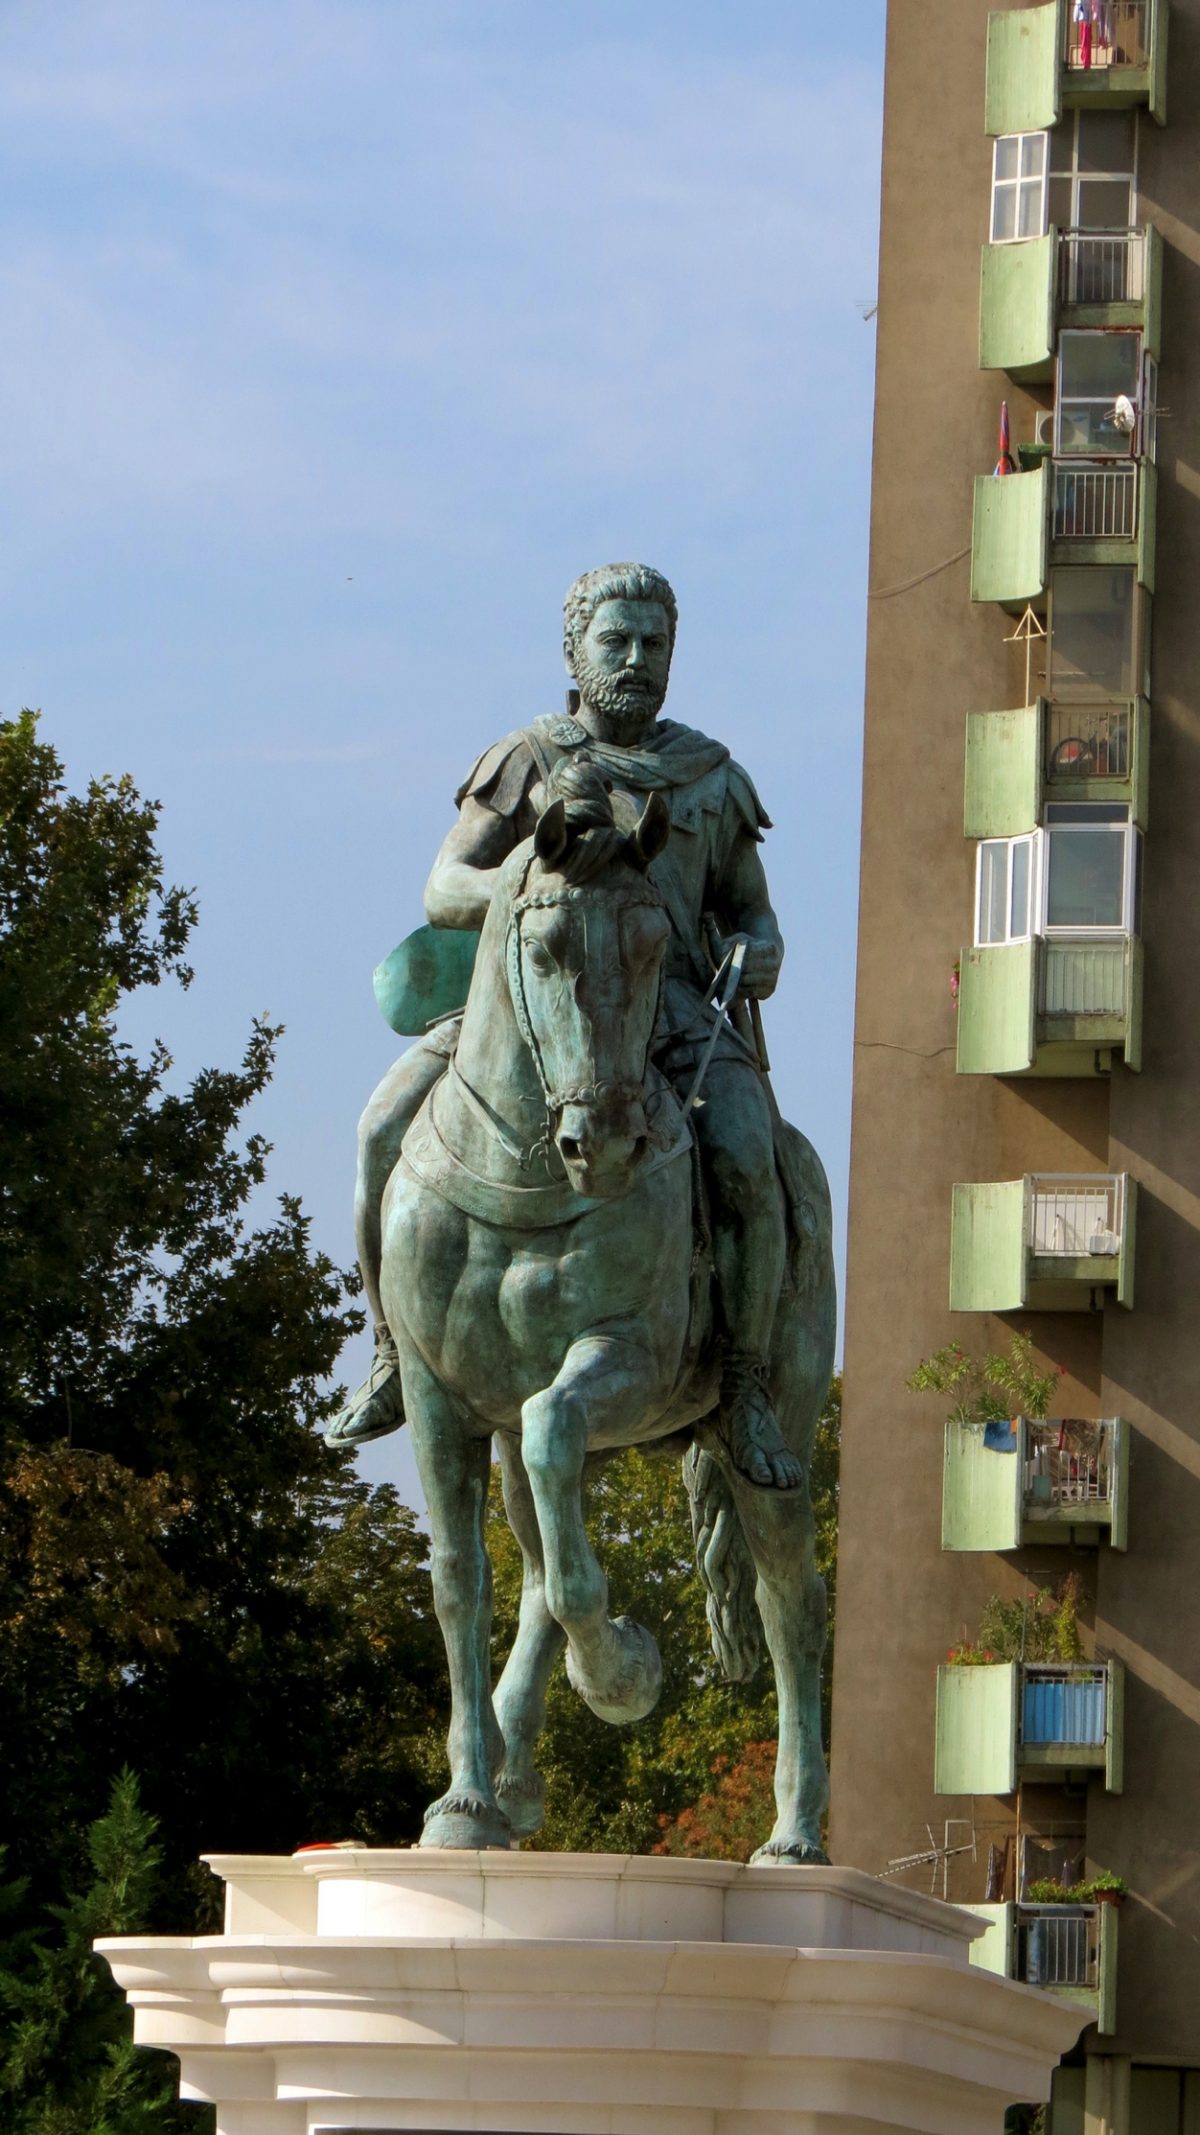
<point>1090,870</point>
<point>1093,171</point>
<point>1078,875</point>
<point>1095,370</point>
<point>1018,187</point>
<point>1098,632</point>
<point>1004,887</point>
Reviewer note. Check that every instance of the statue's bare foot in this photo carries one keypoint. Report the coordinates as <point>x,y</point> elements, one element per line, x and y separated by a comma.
<point>378,1406</point>
<point>622,1682</point>
<point>792,1853</point>
<point>468,1822</point>
<point>750,1430</point>
<point>522,1796</point>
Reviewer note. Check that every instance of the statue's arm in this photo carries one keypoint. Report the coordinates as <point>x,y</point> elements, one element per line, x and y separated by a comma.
<point>746,909</point>
<point>468,866</point>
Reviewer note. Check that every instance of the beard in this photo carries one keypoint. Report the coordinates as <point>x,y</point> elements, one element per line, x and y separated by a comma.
<point>628,704</point>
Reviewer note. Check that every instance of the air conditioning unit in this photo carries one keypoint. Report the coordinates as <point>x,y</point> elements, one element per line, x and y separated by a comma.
<point>1044,427</point>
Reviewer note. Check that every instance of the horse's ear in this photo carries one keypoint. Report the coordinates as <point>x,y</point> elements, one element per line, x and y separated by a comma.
<point>653,830</point>
<point>550,837</point>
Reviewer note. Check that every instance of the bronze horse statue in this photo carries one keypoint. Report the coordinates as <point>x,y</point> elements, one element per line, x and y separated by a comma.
<point>545,1280</point>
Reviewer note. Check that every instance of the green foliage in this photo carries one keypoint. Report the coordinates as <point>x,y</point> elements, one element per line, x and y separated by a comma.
<point>621,1789</point>
<point>188,1579</point>
<point>986,1389</point>
<point>68,2065</point>
<point>1048,1890</point>
<point>1041,1625</point>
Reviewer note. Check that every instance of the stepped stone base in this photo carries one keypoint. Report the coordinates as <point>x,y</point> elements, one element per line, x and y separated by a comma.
<point>586,1994</point>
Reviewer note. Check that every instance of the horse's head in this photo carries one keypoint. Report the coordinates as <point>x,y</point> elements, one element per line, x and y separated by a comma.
<point>587,936</point>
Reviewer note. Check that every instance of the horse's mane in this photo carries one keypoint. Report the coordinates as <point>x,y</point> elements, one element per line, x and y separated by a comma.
<point>595,841</point>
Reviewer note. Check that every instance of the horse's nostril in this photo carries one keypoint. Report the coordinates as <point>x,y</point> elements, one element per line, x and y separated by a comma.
<point>570,1148</point>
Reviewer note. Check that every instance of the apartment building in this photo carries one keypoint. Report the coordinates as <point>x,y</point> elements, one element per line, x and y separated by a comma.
<point>1026,1127</point>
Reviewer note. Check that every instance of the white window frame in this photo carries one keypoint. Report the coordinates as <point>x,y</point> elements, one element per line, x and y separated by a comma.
<point>1033,889</point>
<point>1015,185</point>
<point>1126,448</point>
<point>1074,174</point>
<point>1062,826</point>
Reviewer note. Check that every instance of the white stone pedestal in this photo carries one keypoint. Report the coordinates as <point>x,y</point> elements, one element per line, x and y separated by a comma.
<point>586,1994</point>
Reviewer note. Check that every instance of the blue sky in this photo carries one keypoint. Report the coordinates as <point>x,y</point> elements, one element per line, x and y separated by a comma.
<point>337,337</point>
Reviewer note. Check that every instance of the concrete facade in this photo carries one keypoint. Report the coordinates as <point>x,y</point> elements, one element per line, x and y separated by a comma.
<point>919,1127</point>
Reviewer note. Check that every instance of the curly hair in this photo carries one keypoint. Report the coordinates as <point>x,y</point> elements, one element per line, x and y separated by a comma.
<point>613,581</point>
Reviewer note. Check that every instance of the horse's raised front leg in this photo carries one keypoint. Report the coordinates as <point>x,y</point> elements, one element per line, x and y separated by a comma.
<point>614,1665</point>
<point>791,1600</point>
<point>454,1460</point>
<point>520,1699</point>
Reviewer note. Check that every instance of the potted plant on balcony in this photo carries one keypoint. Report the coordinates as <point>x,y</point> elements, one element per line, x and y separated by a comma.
<point>1046,1890</point>
<point>1106,1888</point>
<point>988,1392</point>
<point>1040,1626</point>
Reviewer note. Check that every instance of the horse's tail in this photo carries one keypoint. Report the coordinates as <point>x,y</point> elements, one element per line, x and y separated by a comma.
<point>725,1565</point>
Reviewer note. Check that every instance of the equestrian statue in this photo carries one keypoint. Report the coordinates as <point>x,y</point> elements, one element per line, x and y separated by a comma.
<point>582,1223</point>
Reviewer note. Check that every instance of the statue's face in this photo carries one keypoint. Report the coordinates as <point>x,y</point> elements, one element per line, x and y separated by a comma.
<point>623,663</point>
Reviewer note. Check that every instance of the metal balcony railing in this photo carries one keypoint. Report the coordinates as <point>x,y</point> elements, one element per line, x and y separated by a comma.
<point>1088,741</point>
<point>1065,1705</point>
<point>1075,1214</point>
<point>1102,266</point>
<point>1122,39</point>
<point>1057,1945</point>
<point>1070,1462</point>
<point>1095,503</point>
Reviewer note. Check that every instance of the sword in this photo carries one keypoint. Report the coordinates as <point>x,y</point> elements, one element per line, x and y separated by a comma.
<point>730,974</point>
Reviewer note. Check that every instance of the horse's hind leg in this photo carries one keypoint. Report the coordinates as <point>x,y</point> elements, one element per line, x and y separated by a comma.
<point>520,1699</point>
<point>791,1600</point>
<point>454,1462</point>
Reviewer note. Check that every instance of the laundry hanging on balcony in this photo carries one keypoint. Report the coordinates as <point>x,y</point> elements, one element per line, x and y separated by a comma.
<point>1095,20</point>
<point>1006,463</point>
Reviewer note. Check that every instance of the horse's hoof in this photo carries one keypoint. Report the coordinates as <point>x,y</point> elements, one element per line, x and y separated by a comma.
<point>468,1823</point>
<point>523,1802</point>
<point>632,1686</point>
<point>791,1853</point>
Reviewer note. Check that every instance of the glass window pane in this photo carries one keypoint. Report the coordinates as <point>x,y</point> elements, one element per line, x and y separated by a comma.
<point>1091,643</point>
<point>1106,140</point>
<point>1098,366</point>
<point>1004,214</point>
<point>1019,903</point>
<point>1061,212</point>
<point>1104,204</point>
<point>1007,153</point>
<point>1086,879</point>
<point>1033,154</point>
<point>1029,220</point>
<point>993,888</point>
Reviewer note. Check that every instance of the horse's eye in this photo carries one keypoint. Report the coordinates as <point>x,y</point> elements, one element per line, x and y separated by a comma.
<point>540,959</point>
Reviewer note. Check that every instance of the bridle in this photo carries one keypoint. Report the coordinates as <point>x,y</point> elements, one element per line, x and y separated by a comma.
<point>617,899</point>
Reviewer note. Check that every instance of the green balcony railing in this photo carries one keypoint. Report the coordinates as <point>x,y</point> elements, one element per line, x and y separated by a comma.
<point>1047,1242</point>
<point>1030,1481</point>
<point>1067,1950</point>
<point>1040,62</point>
<point>1002,1722</point>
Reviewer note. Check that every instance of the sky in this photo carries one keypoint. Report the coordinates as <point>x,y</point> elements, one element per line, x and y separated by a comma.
<point>336,338</point>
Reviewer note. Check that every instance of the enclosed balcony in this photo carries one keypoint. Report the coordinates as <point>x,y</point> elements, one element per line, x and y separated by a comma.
<point>1077,279</point>
<point>1067,1950</point>
<point>1004,1722</point>
<point>1047,1243</point>
<point>1028,1481</point>
<point>1041,61</point>
<point>1018,761</point>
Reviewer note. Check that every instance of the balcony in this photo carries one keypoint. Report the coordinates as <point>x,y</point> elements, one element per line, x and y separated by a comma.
<point>1067,1950</point>
<point>1034,1482</point>
<point>1006,1722</point>
<point>1016,761</point>
<point>1045,1243</point>
<point>1070,278</point>
<point>1050,1008</point>
<point>1104,513</point>
<point>1039,64</point>
<point>1010,538</point>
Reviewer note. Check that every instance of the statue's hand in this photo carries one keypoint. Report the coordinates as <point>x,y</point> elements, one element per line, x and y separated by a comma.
<point>760,971</point>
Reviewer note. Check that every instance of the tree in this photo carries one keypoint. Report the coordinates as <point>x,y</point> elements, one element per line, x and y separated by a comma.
<point>182,1563</point>
<point>67,2062</point>
<point>624,1789</point>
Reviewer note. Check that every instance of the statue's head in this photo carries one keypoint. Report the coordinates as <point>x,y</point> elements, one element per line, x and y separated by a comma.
<point>618,637</point>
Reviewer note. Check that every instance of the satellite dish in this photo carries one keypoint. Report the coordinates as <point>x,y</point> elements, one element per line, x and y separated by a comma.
<point>1124,415</point>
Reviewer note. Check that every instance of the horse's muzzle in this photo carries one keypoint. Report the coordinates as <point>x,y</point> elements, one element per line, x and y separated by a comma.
<point>602,1145</point>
